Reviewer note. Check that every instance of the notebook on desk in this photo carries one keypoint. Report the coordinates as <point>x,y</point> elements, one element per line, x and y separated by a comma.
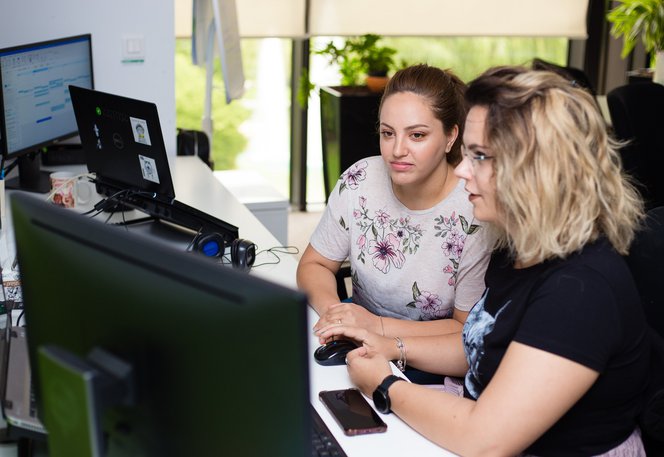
<point>18,403</point>
<point>123,142</point>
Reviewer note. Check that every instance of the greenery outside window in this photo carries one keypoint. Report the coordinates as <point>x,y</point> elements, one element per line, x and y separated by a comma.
<point>248,135</point>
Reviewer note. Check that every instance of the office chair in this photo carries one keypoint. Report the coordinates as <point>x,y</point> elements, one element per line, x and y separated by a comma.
<point>575,75</point>
<point>194,142</point>
<point>646,262</point>
<point>343,273</point>
<point>636,115</point>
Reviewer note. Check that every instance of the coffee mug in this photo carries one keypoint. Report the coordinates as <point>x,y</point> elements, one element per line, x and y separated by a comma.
<point>68,191</point>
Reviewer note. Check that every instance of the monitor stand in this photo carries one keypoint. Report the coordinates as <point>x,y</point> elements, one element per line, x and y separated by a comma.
<point>76,394</point>
<point>30,176</point>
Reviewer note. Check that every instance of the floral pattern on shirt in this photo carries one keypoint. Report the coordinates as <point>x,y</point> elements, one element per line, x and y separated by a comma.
<point>351,178</point>
<point>429,305</point>
<point>383,238</point>
<point>454,231</point>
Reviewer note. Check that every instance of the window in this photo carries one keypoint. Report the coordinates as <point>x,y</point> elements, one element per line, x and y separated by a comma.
<point>254,131</point>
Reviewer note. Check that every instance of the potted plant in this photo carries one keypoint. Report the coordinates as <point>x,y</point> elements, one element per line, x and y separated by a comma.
<point>349,112</point>
<point>361,60</point>
<point>643,20</point>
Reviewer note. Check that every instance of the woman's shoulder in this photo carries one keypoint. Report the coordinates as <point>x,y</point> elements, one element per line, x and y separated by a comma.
<point>368,170</point>
<point>596,261</point>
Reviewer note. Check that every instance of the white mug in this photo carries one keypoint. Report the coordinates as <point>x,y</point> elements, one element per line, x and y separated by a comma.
<point>68,191</point>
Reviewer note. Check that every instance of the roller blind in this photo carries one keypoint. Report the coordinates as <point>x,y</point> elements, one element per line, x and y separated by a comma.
<point>271,18</point>
<point>288,18</point>
<point>566,18</point>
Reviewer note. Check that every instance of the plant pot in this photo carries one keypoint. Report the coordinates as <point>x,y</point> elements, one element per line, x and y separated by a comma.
<point>377,83</point>
<point>658,77</point>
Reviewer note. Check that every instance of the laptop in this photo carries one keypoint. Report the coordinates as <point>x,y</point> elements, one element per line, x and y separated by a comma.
<point>19,402</point>
<point>124,147</point>
<point>123,143</point>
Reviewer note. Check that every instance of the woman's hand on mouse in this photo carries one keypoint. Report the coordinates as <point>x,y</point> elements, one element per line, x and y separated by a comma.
<point>349,314</point>
<point>371,341</point>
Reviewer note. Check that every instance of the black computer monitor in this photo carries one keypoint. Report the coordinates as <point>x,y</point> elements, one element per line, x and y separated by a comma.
<point>36,110</point>
<point>216,360</point>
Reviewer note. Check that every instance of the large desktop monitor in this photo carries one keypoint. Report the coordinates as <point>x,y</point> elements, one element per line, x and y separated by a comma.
<point>35,106</point>
<point>210,361</point>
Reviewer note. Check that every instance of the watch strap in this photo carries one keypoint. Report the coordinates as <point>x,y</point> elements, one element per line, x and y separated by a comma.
<point>382,391</point>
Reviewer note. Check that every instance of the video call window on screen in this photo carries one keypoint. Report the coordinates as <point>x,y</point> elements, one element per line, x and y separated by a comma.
<point>36,105</point>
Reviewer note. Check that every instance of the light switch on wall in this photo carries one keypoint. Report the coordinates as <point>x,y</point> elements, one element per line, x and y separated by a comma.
<point>133,49</point>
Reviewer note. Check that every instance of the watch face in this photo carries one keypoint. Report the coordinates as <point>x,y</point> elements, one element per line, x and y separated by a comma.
<point>381,400</point>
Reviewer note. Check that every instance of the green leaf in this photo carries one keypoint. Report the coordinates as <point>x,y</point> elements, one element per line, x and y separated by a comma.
<point>472,229</point>
<point>634,20</point>
<point>464,223</point>
<point>416,291</point>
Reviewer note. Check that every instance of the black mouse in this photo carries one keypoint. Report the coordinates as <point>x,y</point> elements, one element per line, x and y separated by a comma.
<point>334,352</point>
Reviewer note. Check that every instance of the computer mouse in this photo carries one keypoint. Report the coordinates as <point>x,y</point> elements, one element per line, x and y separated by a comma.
<point>334,352</point>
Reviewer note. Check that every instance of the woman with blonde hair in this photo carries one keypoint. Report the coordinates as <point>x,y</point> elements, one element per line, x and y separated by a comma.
<point>555,354</point>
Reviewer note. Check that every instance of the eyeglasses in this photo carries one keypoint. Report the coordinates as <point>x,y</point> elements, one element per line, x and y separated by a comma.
<point>476,158</point>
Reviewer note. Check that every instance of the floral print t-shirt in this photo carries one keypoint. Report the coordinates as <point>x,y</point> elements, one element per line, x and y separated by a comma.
<point>406,264</point>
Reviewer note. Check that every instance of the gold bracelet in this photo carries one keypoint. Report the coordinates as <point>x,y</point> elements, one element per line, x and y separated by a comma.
<point>401,363</point>
<point>382,327</point>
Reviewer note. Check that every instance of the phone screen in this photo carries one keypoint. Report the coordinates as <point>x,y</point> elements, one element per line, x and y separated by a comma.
<point>353,413</point>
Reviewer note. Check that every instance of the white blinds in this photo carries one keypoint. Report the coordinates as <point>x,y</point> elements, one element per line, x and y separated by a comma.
<point>286,18</point>
<point>271,18</point>
<point>450,17</point>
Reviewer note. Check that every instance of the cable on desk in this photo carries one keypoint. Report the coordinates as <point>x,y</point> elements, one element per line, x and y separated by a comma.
<point>293,250</point>
<point>108,202</point>
<point>10,167</point>
<point>190,246</point>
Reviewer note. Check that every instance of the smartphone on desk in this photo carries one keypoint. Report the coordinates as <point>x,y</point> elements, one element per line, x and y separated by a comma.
<point>352,412</point>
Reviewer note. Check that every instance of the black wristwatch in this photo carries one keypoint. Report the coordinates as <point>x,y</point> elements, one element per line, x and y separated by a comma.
<point>381,397</point>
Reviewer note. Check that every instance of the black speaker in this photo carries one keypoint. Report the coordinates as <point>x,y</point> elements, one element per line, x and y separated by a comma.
<point>243,252</point>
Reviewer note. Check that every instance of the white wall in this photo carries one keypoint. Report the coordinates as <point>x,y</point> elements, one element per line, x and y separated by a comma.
<point>26,21</point>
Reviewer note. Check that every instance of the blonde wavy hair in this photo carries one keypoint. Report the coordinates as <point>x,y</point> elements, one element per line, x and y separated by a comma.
<point>559,178</point>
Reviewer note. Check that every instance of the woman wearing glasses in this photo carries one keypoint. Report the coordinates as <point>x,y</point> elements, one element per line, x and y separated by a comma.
<point>554,353</point>
<point>403,220</point>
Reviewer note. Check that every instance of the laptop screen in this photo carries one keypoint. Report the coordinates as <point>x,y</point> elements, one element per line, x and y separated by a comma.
<point>123,142</point>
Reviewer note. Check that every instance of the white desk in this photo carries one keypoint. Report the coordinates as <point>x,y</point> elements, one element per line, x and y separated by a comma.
<point>263,200</point>
<point>195,185</point>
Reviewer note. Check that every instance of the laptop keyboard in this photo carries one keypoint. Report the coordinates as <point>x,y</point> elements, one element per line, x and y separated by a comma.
<point>323,442</point>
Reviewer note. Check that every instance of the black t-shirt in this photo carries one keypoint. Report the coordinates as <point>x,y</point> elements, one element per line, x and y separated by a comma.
<point>585,308</point>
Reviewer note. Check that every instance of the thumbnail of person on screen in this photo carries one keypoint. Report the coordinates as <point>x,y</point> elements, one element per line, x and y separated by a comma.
<point>403,219</point>
<point>554,354</point>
